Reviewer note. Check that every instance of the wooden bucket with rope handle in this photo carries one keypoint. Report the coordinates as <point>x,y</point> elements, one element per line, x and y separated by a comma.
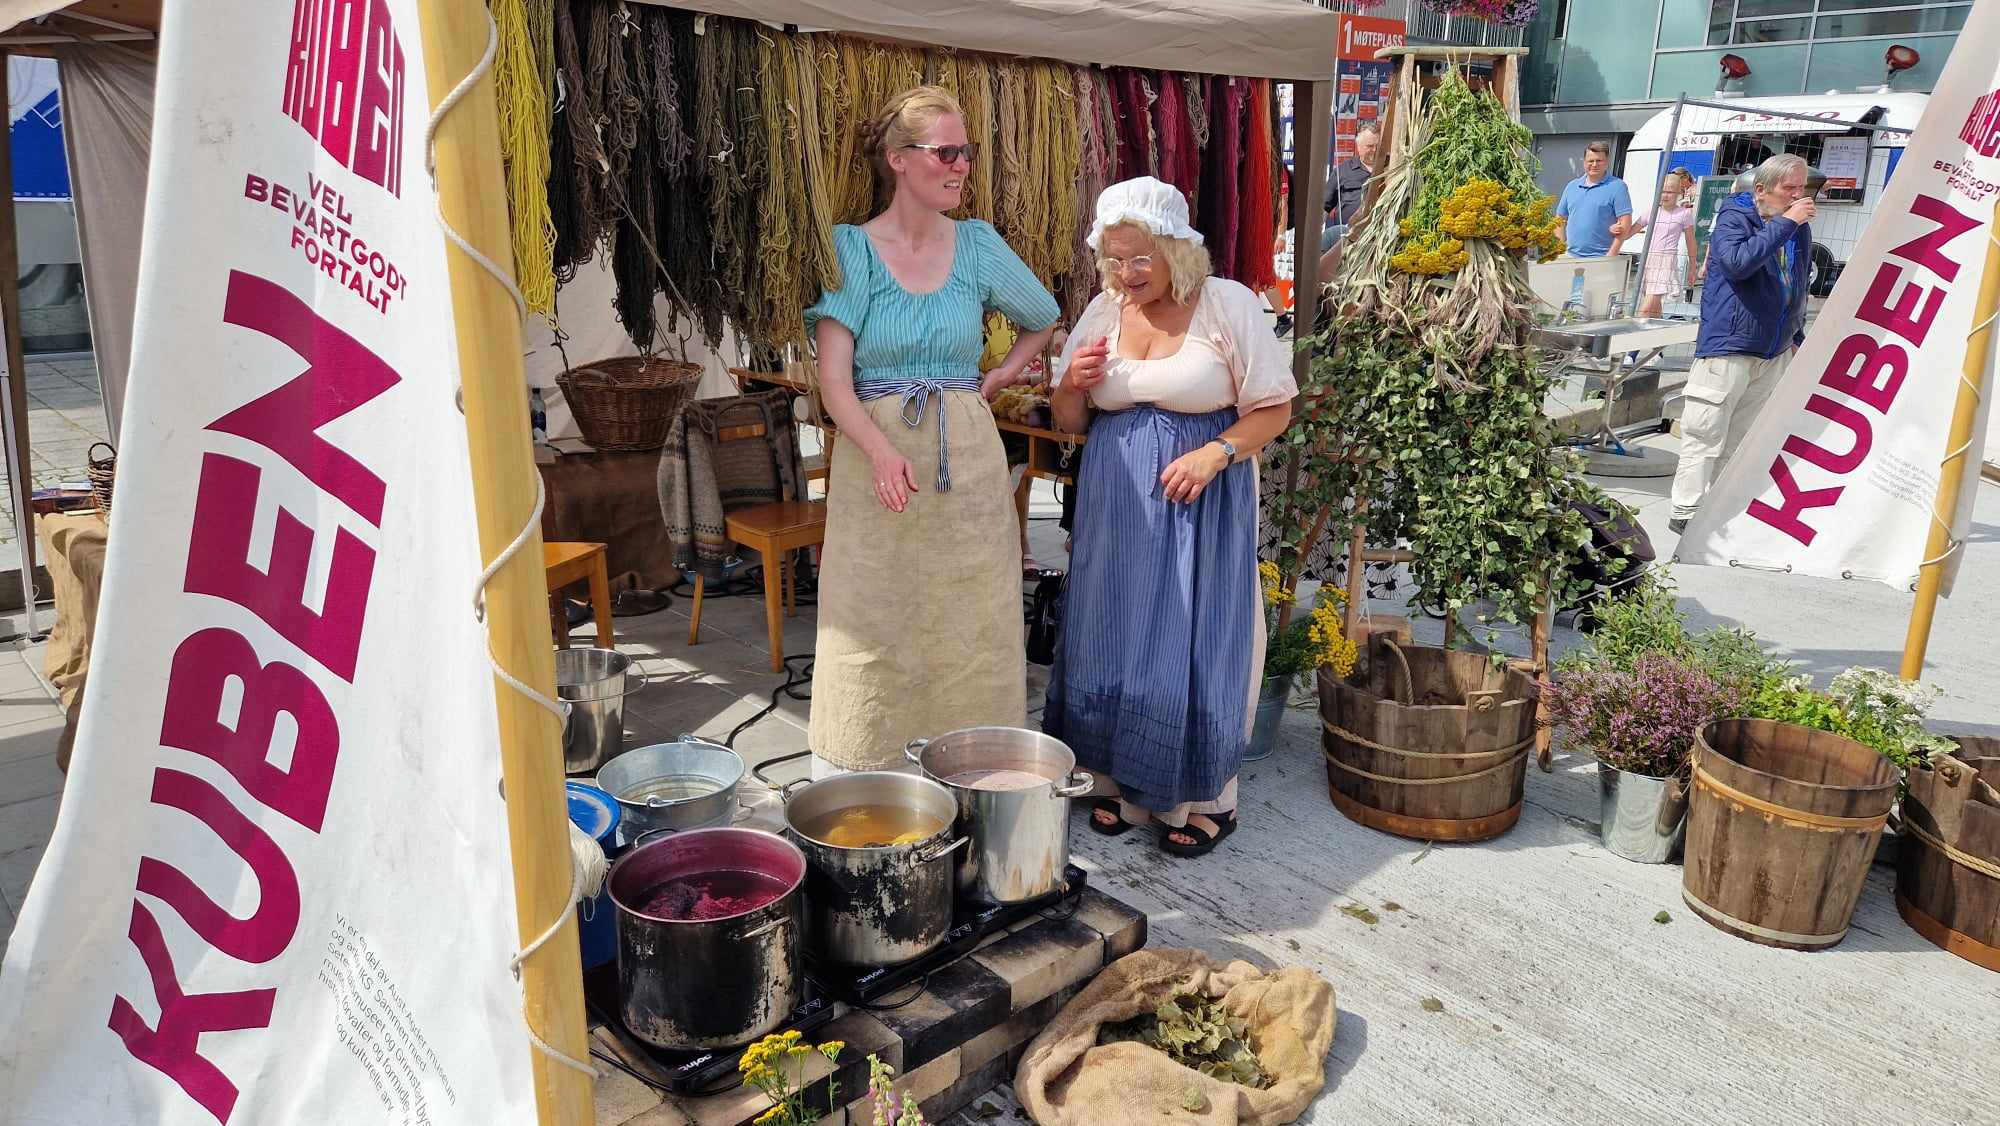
<point>1948,872</point>
<point>1427,743</point>
<point>1783,822</point>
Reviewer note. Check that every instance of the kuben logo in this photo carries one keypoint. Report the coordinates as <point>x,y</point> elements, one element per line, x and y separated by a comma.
<point>344,85</point>
<point>1982,125</point>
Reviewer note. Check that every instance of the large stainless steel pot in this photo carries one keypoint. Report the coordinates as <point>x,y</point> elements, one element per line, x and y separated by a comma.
<point>712,983</point>
<point>876,906</point>
<point>687,784</point>
<point>1020,837</point>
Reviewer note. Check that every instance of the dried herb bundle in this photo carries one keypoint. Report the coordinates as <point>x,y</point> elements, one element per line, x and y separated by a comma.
<point>1196,1032</point>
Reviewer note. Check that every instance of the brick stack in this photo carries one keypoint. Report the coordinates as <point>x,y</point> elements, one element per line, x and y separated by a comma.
<point>960,1038</point>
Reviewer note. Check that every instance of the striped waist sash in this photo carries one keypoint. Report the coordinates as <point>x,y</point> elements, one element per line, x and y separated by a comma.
<point>916,395</point>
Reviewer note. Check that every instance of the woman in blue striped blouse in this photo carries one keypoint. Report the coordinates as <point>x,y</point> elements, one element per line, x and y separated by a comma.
<point>1181,381</point>
<point>920,588</point>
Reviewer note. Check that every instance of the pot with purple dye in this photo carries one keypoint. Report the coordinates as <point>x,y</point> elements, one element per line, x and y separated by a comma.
<point>1013,788</point>
<point>709,926</point>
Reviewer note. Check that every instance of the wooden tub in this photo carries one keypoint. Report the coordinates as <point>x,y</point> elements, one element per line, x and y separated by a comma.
<point>1427,743</point>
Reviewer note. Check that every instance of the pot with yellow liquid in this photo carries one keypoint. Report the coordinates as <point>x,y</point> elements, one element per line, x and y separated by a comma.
<point>879,877</point>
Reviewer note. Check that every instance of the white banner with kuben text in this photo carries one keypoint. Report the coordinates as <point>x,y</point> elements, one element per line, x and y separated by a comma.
<point>1838,476</point>
<point>278,890</point>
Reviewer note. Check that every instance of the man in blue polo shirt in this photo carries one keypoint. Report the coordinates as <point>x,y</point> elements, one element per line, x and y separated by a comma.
<point>1596,206</point>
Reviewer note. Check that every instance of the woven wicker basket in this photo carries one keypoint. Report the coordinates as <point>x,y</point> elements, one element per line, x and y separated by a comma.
<point>628,402</point>
<point>100,471</point>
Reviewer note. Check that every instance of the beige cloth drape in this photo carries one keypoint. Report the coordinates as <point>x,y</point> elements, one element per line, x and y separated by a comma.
<point>107,105</point>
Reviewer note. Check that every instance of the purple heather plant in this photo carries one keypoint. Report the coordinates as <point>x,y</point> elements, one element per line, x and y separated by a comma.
<point>1643,721</point>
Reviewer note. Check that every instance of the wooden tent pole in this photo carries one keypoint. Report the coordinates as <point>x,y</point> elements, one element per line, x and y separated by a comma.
<point>14,379</point>
<point>474,201</point>
<point>1961,460</point>
<point>1312,133</point>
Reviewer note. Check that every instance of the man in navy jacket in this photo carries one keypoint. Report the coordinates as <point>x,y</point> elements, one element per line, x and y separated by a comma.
<point>1753,311</point>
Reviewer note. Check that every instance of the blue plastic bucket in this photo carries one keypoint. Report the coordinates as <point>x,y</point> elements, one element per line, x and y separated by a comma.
<point>596,813</point>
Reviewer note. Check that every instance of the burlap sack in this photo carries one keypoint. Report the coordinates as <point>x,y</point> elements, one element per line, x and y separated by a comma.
<point>1067,1079</point>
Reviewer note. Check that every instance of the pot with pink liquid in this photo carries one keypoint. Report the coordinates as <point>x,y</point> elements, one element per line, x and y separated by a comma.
<point>1013,788</point>
<point>709,929</point>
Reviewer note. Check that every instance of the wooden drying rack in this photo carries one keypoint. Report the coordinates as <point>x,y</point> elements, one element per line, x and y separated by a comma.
<point>1506,85</point>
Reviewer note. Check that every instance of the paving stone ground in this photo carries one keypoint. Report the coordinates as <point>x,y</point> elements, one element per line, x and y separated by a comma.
<point>65,418</point>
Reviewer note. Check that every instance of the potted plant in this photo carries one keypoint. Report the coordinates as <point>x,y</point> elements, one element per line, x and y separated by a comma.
<point>1294,645</point>
<point>1640,723</point>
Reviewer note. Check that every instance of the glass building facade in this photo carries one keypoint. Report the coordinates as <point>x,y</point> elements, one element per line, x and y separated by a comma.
<point>1598,69</point>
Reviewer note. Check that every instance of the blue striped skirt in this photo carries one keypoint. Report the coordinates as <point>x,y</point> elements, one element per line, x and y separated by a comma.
<point>1151,683</point>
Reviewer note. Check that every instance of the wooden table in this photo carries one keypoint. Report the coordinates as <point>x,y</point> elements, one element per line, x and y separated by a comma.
<point>612,497</point>
<point>569,563</point>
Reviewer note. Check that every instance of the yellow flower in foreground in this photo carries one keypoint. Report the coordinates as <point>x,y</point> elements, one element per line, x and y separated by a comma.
<point>832,1049</point>
<point>770,1116</point>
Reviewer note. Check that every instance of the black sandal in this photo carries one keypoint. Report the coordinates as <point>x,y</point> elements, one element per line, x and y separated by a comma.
<point>1119,824</point>
<point>1204,843</point>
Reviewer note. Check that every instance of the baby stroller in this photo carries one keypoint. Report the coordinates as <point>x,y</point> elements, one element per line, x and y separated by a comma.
<point>1615,536</point>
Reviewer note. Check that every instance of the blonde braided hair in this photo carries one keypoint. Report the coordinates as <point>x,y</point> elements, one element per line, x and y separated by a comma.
<point>900,123</point>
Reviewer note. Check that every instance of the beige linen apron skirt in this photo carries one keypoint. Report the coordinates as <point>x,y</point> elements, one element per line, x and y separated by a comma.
<point>920,619</point>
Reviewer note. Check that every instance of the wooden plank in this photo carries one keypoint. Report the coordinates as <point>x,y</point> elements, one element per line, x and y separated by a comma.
<point>1312,142</point>
<point>488,330</point>
<point>20,474</point>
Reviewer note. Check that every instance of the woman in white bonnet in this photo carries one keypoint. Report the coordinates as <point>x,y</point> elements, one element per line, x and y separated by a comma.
<point>1179,381</point>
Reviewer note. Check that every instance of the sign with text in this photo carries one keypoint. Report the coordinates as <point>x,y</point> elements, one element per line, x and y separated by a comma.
<point>1839,474</point>
<point>278,889</point>
<point>1361,81</point>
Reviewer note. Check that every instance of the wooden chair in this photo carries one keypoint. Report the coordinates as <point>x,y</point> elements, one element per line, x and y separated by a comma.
<point>569,563</point>
<point>775,531</point>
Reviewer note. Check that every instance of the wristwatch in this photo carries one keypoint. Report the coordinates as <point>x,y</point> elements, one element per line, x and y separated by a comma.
<point>1229,448</point>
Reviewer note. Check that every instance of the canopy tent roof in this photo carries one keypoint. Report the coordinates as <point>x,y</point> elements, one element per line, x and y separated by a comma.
<point>31,27</point>
<point>1282,39</point>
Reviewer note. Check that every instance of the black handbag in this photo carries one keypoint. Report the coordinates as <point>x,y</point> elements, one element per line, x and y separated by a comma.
<point>1045,617</point>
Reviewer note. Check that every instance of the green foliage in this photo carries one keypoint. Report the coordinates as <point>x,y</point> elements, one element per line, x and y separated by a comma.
<point>1471,476</point>
<point>1869,706</point>
<point>1471,138</point>
<point>1643,617</point>
<point>1197,1032</point>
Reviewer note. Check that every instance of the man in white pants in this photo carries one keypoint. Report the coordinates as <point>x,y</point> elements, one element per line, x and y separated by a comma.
<point>1753,309</point>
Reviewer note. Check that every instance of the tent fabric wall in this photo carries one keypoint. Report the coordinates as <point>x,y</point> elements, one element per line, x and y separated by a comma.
<point>1282,39</point>
<point>107,100</point>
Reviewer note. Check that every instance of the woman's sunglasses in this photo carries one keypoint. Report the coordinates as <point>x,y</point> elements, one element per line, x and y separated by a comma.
<point>949,154</point>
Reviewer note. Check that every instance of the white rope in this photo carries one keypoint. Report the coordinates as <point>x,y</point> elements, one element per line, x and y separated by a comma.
<point>581,872</point>
<point>1952,543</point>
<point>451,100</point>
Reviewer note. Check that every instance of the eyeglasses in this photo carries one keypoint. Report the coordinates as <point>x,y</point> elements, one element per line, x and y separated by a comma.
<point>1142,264</point>
<point>950,154</point>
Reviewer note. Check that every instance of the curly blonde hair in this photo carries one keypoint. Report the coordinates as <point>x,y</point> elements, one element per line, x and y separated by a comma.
<point>901,122</point>
<point>1187,264</point>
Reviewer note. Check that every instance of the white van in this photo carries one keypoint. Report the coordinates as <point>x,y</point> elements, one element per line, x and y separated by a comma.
<point>1717,144</point>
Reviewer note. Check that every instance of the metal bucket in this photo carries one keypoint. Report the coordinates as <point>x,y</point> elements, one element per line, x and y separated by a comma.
<point>708,983</point>
<point>592,683</point>
<point>686,784</point>
<point>1640,817</point>
<point>1272,697</point>
<point>1020,837</point>
<point>884,905</point>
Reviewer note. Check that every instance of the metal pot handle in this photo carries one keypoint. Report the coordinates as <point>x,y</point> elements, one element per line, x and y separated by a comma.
<point>914,750</point>
<point>641,838</point>
<point>923,856</point>
<point>783,920</point>
<point>1079,784</point>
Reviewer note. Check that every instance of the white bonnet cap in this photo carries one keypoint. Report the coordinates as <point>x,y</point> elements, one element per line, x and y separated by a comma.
<point>1145,202</point>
